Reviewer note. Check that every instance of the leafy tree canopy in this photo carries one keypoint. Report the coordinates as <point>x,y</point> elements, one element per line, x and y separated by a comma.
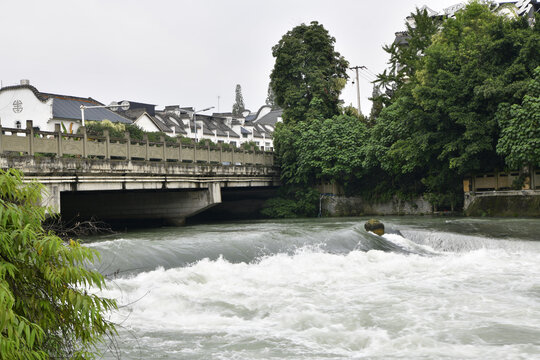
<point>520,128</point>
<point>441,120</point>
<point>308,74</point>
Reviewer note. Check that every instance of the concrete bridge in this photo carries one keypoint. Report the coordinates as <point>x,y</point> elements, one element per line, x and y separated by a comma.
<point>124,179</point>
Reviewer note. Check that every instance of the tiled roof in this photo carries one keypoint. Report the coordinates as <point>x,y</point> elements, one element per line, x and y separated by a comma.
<point>244,131</point>
<point>29,87</point>
<point>67,107</point>
<point>271,118</point>
<point>171,121</point>
<point>212,123</point>
<point>159,123</point>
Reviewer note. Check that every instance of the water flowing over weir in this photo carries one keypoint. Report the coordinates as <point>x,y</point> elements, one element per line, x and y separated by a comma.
<point>431,288</point>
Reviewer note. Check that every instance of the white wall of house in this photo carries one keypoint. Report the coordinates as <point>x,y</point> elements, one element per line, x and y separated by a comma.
<point>145,123</point>
<point>21,105</point>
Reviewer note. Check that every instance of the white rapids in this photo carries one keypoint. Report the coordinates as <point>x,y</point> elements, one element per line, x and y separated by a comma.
<point>316,300</point>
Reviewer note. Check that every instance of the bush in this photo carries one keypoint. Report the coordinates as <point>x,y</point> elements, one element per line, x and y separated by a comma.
<point>293,202</point>
<point>46,310</point>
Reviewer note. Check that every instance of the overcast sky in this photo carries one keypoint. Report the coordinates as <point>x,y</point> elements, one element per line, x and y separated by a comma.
<point>185,52</point>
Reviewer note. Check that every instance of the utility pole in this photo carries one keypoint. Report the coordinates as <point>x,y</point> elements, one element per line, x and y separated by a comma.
<point>358,86</point>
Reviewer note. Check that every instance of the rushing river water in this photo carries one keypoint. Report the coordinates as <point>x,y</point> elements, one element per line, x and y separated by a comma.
<point>432,288</point>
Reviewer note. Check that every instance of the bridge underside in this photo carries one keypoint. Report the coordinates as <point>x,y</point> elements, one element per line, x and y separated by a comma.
<point>165,207</point>
<point>169,207</point>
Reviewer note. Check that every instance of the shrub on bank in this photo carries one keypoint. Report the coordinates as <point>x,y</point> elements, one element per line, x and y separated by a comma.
<point>46,310</point>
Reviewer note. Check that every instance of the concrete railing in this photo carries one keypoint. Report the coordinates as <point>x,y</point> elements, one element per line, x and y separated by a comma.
<point>501,181</point>
<point>57,143</point>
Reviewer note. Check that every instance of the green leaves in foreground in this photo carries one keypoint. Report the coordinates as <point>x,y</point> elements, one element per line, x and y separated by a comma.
<point>46,311</point>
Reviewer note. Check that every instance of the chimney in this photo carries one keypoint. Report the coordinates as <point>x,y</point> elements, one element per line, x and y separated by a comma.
<point>25,82</point>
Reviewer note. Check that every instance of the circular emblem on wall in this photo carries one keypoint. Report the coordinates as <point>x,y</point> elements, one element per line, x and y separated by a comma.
<point>17,106</point>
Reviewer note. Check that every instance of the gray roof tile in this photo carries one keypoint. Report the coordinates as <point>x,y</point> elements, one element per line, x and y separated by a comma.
<point>65,108</point>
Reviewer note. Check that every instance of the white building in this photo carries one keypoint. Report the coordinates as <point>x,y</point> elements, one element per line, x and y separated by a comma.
<point>24,102</point>
<point>218,127</point>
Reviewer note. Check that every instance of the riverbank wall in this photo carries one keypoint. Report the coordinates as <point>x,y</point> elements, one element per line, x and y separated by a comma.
<point>356,206</point>
<point>518,203</point>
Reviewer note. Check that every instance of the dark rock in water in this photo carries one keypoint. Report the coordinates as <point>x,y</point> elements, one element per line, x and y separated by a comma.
<point>375,226</point>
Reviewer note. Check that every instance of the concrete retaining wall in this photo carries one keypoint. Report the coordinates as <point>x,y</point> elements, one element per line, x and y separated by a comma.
<point>356,206</point>
<point>521,203</point>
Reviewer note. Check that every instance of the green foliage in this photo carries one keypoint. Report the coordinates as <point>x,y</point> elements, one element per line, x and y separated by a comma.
<point>293,202</point>
<point>249,145</point>
<point>46,309</point>
<point>455,86</point>
<point>206,143</point>
<point>238,106</point>
<point>308,74</point>
<point>406,57</point>
<point>118,131</point>
<point>271,98</point>
<point>520,128</point>
<point>441,120</point>
<point>329,150</point>
<point>377,104</point>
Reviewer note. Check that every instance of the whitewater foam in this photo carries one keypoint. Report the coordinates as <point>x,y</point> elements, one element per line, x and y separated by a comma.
<point>314,304</point>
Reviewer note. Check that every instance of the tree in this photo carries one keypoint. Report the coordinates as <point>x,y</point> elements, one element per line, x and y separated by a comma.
<point>520,128</point>
<point>238,107</point>
<point>406,56</point>
<point>377,104</point>
<point>46,307</point>
<point>440,122</point>
<point>270,98</point>
<point>308,74</point>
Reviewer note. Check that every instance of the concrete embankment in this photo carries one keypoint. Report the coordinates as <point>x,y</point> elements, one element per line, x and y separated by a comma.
<point>357,206</point>
<point>520,203</point>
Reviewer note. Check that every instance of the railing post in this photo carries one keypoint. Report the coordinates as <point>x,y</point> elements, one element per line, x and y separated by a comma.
<point>82,129</point>
<point>164,148</point>
<point>532,172</point>
<point>146,145</point>
<point>179,149</point>
<point>232,155</point>
<point>30,134</point>
<point>195,151</point>
<point>127,136</point>
<point>208,152</point>
<point>1,138</point>
<point>243,156</point>
<point>220,153</point>
<point>58,132</point>
<point>107,144</point>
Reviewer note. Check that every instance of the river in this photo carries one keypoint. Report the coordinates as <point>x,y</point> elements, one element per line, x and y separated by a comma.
<point>431,288</point>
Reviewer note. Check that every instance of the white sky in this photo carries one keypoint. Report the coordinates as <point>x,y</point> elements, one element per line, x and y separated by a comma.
<point>183,52</point>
